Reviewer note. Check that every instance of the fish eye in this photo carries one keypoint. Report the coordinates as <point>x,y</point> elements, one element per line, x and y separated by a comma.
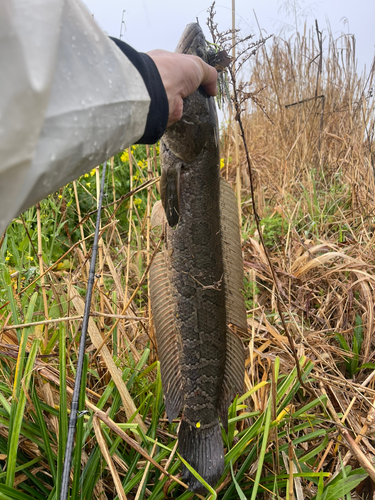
<point>199,52</point>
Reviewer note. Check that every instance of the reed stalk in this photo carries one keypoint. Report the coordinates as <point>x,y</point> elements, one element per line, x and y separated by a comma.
<point>100,252</point>
<point>41,267</point>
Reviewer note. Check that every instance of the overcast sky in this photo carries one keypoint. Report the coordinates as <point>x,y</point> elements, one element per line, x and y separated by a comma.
<point>151,24</point>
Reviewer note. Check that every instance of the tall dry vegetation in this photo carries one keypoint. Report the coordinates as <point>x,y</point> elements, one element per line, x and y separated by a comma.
<point>316,113</point>
<point>309,127</point>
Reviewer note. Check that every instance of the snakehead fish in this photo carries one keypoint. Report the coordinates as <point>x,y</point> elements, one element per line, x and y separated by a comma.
<point>196,282</point>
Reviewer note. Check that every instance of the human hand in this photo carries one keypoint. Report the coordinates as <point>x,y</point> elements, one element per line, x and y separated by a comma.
<point>182,74</point>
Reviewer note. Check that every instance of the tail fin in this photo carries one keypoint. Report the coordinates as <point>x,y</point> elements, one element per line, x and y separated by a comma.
<point>203,449</point>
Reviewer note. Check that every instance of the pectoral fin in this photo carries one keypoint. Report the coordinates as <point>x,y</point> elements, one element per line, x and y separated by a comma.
<point>163,310</point>
<point>234,301</point>
<point>170,193</point>
<point>157,215</point>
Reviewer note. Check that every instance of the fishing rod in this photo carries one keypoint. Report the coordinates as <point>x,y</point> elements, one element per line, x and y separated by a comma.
<point>77,385</point>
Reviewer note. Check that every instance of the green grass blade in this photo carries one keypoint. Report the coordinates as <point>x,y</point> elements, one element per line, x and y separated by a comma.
<point>90,472</point>
<point>63,411</point>
<point>344,486</point>
<point>7,492</point>
<point>315,451</point>
<point>12,302</point>
<point>3,496</point>
<point>22,349</point>
<point>256,388</point>
<point>79,435</point>
<point>16,425</point>
<point>200,479</point>
<point>262,451</point>
<point>23,466</point>
<point>318,401</point>
<point>32,491</point>
<point>240,493</point>
<point>43,429</point>
<point>245,440</point>
<point>5,403</point>
<point>52,495</point>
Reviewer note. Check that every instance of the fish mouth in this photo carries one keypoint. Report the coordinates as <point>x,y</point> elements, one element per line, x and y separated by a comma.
<point>193,42</point>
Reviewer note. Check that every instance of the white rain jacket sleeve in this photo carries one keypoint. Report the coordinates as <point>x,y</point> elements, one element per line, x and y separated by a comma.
<point>69,99</point>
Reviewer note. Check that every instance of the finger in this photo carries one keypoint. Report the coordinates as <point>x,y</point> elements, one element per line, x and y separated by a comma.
<point>209,79</point>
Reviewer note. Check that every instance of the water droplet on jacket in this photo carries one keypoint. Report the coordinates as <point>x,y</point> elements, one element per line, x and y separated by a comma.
<point>53,157</point>
<point>75,118</point>
<point>73,37</point>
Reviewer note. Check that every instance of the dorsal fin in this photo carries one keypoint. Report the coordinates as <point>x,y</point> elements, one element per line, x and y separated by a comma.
<point>234,300</point>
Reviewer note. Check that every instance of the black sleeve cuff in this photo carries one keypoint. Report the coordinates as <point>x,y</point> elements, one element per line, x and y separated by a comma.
<point>158,113</point>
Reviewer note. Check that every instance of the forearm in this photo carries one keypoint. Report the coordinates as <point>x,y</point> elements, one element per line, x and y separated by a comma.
<point>70,100</point>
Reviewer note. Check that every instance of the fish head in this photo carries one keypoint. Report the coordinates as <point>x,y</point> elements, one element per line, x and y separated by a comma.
<point>193,42</point>
<point>188,137</point>
<point>193,141</point>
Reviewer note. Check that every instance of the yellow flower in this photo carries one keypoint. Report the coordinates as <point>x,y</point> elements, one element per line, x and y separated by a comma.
<point>198,424</point>
<point>135,177</point>
<point>125,156</point>
<point>141,164</point>
<point>60,196</point>
<point>86,175</point>
<point>7,258</point>
<point>137,201</point>
<point>88,184</point>
<point>222,163</point>
<point>93,172</point>
<point>29,257</point>
<point>133,148</point>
